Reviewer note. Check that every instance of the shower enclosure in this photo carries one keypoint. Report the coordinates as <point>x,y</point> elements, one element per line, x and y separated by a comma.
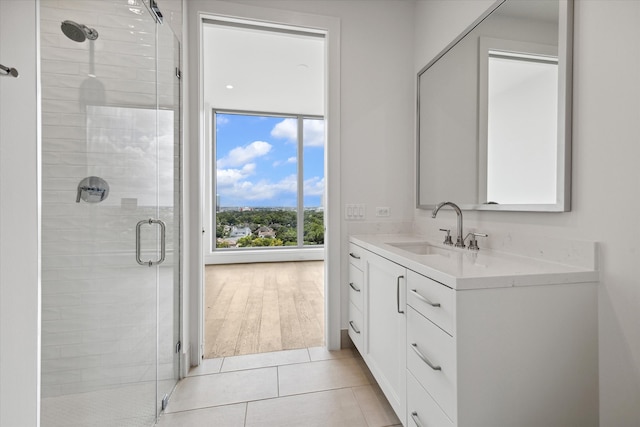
<point>110,212</point>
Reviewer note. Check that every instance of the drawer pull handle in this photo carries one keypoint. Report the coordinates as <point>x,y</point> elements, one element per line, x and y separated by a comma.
<point>423,299</point>
<point>356,330</point>
<point>352,255</point>
<point>414,346</point>
<point>398,293</point>
<point>414,417</point>
<point>355,288</point>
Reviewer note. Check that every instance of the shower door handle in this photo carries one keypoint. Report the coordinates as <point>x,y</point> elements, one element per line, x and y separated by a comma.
<point>163,233</point>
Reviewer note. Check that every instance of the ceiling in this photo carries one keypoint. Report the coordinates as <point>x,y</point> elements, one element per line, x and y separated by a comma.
<point>262,70</point>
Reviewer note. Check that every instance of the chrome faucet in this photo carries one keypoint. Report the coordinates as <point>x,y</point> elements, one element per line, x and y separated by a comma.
<point>459,240</point>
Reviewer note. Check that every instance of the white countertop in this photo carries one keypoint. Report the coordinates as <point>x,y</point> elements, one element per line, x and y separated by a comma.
<point>463,269</point>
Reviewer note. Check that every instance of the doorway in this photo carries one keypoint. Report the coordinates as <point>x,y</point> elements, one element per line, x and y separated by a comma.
<point>264,188</point>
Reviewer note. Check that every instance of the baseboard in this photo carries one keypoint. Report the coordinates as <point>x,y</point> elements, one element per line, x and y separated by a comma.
<point>185,363</point>
<point>345,339</point>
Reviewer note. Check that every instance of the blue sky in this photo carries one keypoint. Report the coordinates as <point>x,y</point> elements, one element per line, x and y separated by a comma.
<point>256,159</point>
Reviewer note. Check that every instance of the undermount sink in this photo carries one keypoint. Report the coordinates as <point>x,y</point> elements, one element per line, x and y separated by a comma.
<point>421,248</point>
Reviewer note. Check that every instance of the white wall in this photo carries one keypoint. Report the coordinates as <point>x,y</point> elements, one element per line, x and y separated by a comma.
<point>19,218</point>
<point>605,202</point>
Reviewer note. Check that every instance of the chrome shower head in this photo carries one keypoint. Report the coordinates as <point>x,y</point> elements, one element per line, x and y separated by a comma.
<point>78,32</point>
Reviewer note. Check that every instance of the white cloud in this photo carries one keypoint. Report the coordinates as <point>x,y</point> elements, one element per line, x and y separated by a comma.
<point>271,190</point>
<point>231,177</point>
<point>314,186</point>
<point>264,189</point>
<point>313,131</point>
<point>235,182</point>
<point>286,129</point>
<point>221,120</point>
<point>239,156</point>
<point>290,160</point>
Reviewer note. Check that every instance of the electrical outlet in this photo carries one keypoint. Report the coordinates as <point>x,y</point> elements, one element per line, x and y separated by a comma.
<point>354,212</point>
<point>382,211</point>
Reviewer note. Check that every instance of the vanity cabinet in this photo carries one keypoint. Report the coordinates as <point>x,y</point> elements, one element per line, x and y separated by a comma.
<point>385,352</point>
<point>519,356</point>
<point>356,297</point>
<point>449,353</point>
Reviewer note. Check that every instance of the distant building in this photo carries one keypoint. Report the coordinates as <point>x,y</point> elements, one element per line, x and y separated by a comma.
<point>266,232</point>
<point>239,232</point>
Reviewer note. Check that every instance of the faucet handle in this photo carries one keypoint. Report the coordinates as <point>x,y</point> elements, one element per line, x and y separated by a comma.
<point>473,243</point>
<point>447,238</point>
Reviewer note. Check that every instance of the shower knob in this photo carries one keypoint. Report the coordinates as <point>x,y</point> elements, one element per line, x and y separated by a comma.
<point>92,189</point>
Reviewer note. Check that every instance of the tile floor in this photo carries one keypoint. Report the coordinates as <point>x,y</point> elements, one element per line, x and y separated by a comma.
<point>304,387</point>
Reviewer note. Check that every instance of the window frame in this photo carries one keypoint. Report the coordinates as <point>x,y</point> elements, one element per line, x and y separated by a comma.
<point>256,254</point>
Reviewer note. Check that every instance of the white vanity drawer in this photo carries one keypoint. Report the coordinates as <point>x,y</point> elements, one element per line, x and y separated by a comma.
<point>356,323</point>
<point>422,410</point>
<point>428,345</point>
<point>433,300</point>
<point>356,286</point>
<point>355,255</point>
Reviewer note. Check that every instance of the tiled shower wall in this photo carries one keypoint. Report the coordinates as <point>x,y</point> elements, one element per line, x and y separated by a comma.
<point>102,313</point>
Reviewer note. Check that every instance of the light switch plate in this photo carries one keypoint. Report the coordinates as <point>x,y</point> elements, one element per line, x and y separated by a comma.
<point>354,212</point>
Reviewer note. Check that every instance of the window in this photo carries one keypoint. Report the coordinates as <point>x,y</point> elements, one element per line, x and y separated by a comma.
<point>268,179</point>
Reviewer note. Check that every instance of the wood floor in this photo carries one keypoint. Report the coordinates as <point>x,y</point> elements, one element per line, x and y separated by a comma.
<point>263,307</point>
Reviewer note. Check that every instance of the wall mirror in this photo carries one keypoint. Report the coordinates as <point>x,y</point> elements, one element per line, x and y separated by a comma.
<point>494,112</point>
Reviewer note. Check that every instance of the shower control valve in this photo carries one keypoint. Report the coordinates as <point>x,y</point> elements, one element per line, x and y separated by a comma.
<point>92,189</point>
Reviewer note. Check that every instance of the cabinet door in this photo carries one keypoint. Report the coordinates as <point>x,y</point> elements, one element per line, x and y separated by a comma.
<point>386,349</point>
<point>356,287</point>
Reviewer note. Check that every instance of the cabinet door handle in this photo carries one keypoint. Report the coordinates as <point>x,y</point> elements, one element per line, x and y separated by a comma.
<point>356,330</point>
<point>398,293</point>
<point>352,255</point>
<point>414,347</point>
<point>354,287</point>
<point>423,299</point>
<point>414,417</point>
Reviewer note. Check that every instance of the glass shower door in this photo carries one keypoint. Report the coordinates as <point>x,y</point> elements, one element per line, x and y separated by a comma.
<point>110,198</point>
<point>168,80</point>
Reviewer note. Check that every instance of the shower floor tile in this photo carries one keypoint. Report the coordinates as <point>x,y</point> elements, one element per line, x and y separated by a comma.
<point>128,406</point>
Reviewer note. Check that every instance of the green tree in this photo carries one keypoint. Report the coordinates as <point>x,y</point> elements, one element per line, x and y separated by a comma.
<point>219,231</point>
<point>253,241</point>
<point>287,235</point>
<point>283,222</point>
<point>222,244</point>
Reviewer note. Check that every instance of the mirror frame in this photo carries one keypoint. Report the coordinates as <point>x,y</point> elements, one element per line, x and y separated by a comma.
<point>564,132</point>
